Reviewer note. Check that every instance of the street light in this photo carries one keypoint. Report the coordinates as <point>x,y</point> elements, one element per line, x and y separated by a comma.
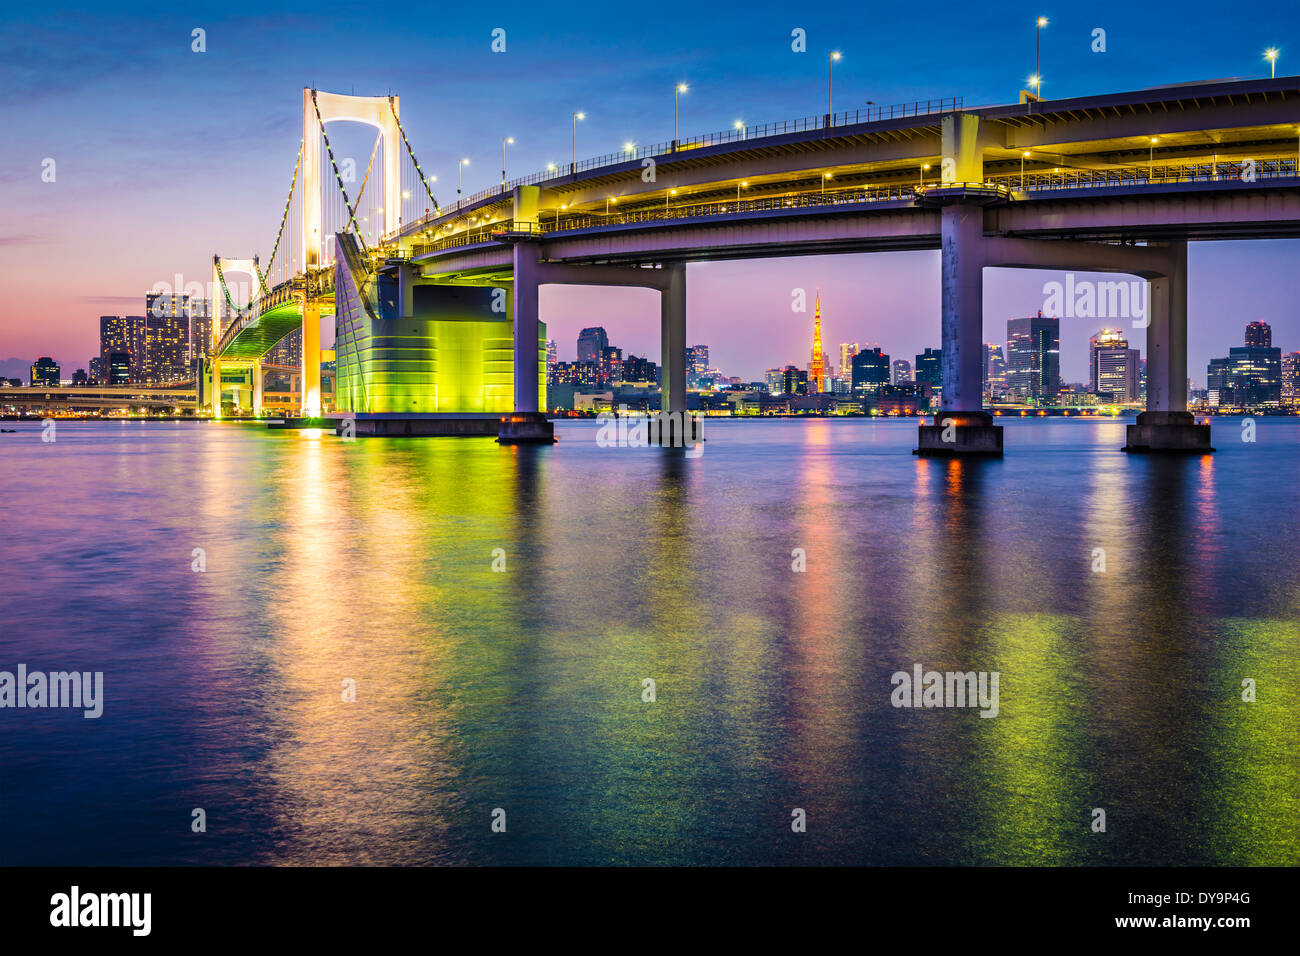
<point>1151,158</point>
<point>825,176</point>
<point>459,166</point>
<point>510,140</point>
<point>671,192</point>
<point>574,159</point>
<point>1038,73</point>
<point>678,90</point>
<point>1271,55</point>
<point>1023,157</point>
<point>740,125</point>
<point>830,64</point>
<point>739,185</point>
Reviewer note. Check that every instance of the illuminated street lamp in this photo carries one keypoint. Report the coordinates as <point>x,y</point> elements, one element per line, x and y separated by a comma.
<point>1271,55</point>
<point>1038,73</point>
<point>825,176</point>
<point>924,167</point>
<point>511,141</point>
<point>574,160</point>
<point>678,90</point>
<point>739,186</point>
<point>1023,157</point>
<point>830,64</point>
<point>459,166</point>
<point>1151,158</point>
<point>739,125</point>
<point>671,192</point>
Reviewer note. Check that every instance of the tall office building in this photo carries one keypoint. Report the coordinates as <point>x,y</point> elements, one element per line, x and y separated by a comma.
<point>611,364</point>
<point>817,361</point>
<point>870,372</point>
<point>592,343</point>
<point>929,368</point>
<point>900,373</point>
<point>1114,369</point>
<point>552,353</point>
<point>775,378</point>
<point>119,368</point>
<point>1291,379</point>
<point>1259,335</point>
<point>123,335</point>
<point>794,381</point>
<point>995,371</point>
<point>45,371</point>
<point>847,351</point>
<point>167,338</point>
<point>98,376</point>
<point>1034,358</point>
<point>639,370</point>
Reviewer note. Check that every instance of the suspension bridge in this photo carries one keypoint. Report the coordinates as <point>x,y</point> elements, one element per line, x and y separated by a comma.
<point>436,311</point>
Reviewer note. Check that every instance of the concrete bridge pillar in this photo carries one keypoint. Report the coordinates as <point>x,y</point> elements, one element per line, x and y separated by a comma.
<point>672,338</point>
<point>310,359</point>
<point>962,427</point>
<point>528,424</point>
<point>1167,425</point>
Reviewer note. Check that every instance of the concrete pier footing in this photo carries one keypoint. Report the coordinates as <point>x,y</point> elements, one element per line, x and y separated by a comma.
<point>960,435</point>
<point>526,428</point>
<point>1168,433</point>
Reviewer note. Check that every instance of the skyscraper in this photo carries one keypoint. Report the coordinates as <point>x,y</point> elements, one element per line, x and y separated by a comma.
<point>995,371</point>
<point>1259,335</point>
<point>1291,379</point>
<point>552,353</point>
<point>1114,369</point>
<point>900,373</point>
<point>1034,358</point>
<point>592,343</point>
<point>870,372</point>
<point>794,381</point>
<point>817,362</point>
<point>167,337</point>
<point>775,378</point>
<point>847,351</point>
<point>45,371</point>
<point>122,335</point>
<point>929,368</point>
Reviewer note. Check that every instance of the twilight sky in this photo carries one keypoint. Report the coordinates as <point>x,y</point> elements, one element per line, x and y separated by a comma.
<point>165,156</point>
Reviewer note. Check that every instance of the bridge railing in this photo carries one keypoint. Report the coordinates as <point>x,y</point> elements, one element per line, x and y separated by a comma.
<point>842,196</point>
<point>872,113</point>
<point>1232,172</point>
<point>312,285</point>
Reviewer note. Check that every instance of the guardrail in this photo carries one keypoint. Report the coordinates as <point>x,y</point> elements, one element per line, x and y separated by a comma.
<point>1152,176</point>
<point>850,196</point>
<point>871,114</point>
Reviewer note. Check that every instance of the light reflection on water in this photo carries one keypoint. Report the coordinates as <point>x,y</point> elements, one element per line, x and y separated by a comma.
<point>371,562</point>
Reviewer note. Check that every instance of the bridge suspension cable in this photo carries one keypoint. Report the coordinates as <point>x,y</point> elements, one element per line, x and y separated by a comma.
<point>418,171</point>
<point>221,276</point>
<point>338,177</point>
<point>284,217</point>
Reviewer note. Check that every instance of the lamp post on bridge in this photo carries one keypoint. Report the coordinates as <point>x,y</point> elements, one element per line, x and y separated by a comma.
<point>1271,55</point>
<point>830,69</point>
<point>511,141</point>
<point>678,90</point>
<point>1151,159</point>
<point>1038,73</point>
<point>459,166</point>
<point>573,164</point>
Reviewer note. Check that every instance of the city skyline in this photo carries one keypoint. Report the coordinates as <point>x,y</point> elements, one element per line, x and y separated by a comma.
<point>112,181</point>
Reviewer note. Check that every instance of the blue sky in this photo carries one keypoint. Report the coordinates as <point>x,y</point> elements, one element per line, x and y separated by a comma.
<point>166,156</point>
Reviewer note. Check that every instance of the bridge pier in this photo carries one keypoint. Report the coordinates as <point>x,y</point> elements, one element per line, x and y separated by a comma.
<point>1166,425</point>
<point>257,388</point>
<point>528,425</point>
<point>962,428</point>
<point>310,359</point>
